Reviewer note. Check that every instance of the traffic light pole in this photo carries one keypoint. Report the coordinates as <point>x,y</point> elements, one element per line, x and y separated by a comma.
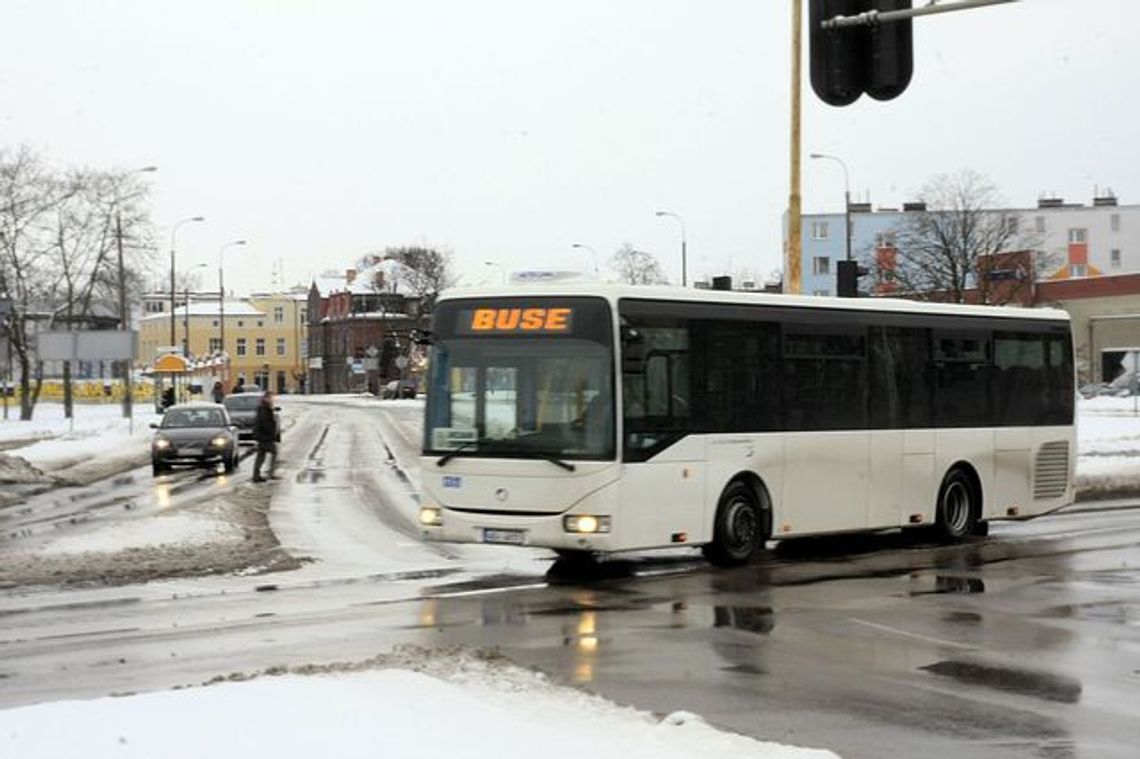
<point>871,18</point>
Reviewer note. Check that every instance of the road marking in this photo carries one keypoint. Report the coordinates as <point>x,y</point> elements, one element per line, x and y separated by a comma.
<point>916,636</point>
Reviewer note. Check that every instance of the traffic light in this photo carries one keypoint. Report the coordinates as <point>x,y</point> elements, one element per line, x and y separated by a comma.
<point>848,61</point>
<point>847,278</point>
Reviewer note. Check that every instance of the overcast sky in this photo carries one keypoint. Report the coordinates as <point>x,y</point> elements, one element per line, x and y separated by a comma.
<point>507,130</point>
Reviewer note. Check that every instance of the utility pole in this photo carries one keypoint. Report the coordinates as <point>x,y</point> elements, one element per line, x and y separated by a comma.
<point>124,324</point>
<point>795,239</point>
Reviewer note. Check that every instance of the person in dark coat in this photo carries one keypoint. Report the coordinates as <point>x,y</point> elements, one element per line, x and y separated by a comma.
<point>219,393</point>
<point>265,433</point>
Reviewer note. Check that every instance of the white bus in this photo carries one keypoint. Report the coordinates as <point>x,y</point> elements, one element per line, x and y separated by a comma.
<point>599,418</point>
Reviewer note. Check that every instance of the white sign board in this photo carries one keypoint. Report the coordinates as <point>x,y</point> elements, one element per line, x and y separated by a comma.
<point>95,345</point>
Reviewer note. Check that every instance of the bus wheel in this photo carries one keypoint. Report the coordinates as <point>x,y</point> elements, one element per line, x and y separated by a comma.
<point>957,507</point>
<point>737,531</point>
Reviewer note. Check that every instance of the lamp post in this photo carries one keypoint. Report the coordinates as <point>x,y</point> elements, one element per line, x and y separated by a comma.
<point>502,271</point>
<point>124,318</point>
<point>186,313</point>
<point>684,253</point>
<point>222,309</point>
<point>173,283</point>
<point>846,199</point>
<point>593,253</point>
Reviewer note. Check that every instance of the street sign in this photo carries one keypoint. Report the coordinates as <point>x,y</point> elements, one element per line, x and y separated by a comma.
<point>372,351</point>
<point>401,362</point>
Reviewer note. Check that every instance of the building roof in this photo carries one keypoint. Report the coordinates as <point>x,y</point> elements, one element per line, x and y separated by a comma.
<point>209,308</point>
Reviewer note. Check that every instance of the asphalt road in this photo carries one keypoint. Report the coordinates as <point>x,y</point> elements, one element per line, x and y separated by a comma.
<point>1025,643</point>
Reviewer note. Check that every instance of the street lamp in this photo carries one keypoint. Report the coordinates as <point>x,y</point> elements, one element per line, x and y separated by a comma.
<point>173,284</point>
<point>186,313</point>
<point>593,253</point>
<point>222,307</point>
<point>684,262</point>
<point>846,198</point>
<point>502,271</point>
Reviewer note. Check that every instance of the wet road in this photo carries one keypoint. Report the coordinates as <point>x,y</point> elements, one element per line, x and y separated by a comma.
<point>1025,644</point>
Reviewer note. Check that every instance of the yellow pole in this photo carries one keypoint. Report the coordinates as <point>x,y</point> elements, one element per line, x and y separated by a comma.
<point>795,242</point>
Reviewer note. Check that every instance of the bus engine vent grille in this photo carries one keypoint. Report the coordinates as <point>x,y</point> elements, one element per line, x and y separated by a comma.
<point>1051,472</point>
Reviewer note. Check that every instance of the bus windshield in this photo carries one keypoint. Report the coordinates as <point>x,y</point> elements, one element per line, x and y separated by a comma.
<point>531,378</point>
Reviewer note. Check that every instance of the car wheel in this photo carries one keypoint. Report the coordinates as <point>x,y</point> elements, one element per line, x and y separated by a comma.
<point>230,463</point>
<point>158,468</point>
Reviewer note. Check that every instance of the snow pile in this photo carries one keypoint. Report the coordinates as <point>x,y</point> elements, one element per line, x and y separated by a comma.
<point>454,704</point>
<point>186,530</point>
<point>16,471</point>
<point>1108,451</point>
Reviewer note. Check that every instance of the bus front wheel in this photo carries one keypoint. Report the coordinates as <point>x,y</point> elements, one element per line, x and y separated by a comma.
<point>737,533</point>
<point>958,507</point>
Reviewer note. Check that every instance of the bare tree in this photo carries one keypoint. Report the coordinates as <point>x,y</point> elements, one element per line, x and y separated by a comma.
<point>424,272</point>
<point>949,251</point>
<point>27,197</point>
<point>637,267</point>
<point>59,236</point>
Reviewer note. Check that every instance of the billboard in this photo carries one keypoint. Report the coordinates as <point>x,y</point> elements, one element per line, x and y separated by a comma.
<point>95,345</point>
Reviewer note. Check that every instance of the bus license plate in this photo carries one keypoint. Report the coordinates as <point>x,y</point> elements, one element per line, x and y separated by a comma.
<point>510,537</point>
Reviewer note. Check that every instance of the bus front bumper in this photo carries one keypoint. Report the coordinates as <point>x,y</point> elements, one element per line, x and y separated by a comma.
<point>569,531</point>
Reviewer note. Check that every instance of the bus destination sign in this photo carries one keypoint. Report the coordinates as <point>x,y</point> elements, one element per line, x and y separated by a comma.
<point>527,321</point>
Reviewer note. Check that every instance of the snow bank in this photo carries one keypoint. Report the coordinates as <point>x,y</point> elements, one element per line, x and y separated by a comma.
<point>464,706</point>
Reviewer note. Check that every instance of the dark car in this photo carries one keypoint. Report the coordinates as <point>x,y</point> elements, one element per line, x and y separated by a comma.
<point>194,434</point>
<point>242,408</point>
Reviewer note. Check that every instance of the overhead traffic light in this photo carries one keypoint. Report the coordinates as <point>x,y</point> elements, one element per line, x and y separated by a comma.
<point>877,59</point>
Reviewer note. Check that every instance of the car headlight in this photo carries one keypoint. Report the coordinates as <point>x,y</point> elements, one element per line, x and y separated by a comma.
<point>221,441</point>
<point>431,516</point>
<point>586,523</point>
<point>161,443</point>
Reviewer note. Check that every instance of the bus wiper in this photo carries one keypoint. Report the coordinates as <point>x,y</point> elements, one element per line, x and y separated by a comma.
<point>451,454</point>
<point>442,460</point>
<point>553,460</point>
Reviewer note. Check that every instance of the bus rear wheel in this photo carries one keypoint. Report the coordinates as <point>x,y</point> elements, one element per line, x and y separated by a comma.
<point>958,507</point>
<point>738,530</point>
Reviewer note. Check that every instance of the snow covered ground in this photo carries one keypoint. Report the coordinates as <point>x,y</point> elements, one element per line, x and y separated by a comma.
<point>392,706</point>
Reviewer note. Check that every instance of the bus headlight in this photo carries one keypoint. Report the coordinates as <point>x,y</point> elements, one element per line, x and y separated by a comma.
<point>431,516</point>
<point>586,523</point>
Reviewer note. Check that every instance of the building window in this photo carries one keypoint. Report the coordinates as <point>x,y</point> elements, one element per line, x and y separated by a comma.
<point>241,346</point>
<point>823,293</point>
<point>280,346</point>
<point>1078,270</point>
<point>260,323</point>
<point>1078,235</point>
<point>1114,258</point>
<point>215,344</point>
<point>819,230</point>
<point>1039,224</point>
<point>304,315</point>
<point>1114,220</point>
<point>241,323</point>
<point>155,306</point>
<point>278,314</point>
<point>259,346</point>
<point>820,265</point>
<point>1012,224</point>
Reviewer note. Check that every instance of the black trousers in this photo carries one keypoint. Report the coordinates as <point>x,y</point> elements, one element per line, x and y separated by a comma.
<point>264,448</point>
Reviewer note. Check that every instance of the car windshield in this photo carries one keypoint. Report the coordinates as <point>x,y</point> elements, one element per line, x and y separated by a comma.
<point>524,396</point>
<point>242,402</point>
<point>194,417</point>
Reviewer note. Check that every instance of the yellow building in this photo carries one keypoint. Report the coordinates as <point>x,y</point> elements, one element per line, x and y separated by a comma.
<point>264,339</point>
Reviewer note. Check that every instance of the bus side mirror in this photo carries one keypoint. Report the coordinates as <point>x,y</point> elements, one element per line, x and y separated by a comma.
<point>632,351</point>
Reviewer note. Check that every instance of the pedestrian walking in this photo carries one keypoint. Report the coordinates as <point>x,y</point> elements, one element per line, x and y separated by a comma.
<point>265,433</point>
<point>219,392</point>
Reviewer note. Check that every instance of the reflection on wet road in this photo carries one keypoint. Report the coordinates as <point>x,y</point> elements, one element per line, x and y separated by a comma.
<point>1024,644</point>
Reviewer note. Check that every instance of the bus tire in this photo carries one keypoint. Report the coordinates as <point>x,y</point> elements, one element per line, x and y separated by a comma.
<point>738,531</point>
<point>958,507</point>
